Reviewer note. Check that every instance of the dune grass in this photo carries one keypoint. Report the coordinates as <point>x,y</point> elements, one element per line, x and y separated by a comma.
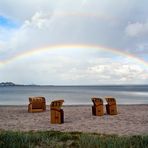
<point>55,139</point>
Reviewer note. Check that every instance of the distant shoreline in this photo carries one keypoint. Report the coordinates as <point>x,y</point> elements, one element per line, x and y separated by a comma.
<point>3,84</point>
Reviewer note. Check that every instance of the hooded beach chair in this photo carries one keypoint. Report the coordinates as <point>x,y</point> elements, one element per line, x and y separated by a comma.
<point>97,108</point>
<point>36,104</point>
<point>111,107</point>
<point>56,113</point>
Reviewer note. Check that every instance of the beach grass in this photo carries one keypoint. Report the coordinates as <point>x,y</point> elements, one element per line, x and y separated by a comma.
<point>56,139</point>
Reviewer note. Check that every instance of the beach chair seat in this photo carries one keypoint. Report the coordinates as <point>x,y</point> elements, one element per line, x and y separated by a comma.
<point>56,113</point>
<point>97,108</point>
<point>111,107</point>
<point>36,104</point>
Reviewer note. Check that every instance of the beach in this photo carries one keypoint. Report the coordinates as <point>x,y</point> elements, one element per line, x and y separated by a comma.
<point>130,120</point>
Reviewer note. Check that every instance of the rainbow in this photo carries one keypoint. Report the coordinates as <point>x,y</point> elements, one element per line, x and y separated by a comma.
<point>33,52</point>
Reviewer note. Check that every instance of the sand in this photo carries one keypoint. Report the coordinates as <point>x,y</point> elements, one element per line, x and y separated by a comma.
<point>131,120</point>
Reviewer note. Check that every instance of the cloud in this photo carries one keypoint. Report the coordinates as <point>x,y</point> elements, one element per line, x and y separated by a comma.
<point>66,66</point>
<point>100,22</point>
<point>137,29</point>
<point>22,10</point>
<point>44,23</point>
<point>119,73</point>
<point>44,29</point>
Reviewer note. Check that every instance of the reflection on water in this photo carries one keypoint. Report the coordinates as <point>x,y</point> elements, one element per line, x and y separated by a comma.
<point>127,94</point>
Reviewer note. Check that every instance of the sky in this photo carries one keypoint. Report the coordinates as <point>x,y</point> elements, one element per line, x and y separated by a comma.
<point>74,42</point>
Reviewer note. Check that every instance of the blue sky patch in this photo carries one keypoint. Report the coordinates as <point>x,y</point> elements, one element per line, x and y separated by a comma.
<point>7,23</point>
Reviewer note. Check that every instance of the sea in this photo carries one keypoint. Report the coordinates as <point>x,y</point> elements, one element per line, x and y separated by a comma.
<point>74,95</point>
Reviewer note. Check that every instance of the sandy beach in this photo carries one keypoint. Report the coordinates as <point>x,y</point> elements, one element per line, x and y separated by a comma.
<point>131,120</point>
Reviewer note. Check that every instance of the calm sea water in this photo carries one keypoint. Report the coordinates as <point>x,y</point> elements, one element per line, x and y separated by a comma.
<point>129,94</point>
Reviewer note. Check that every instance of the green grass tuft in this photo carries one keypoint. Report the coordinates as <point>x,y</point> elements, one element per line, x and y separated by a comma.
<point>56,139</point>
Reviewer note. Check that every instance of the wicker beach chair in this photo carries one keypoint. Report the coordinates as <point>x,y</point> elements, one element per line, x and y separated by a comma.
<point>111,107</point>
<point>57,114</point>
<point>36,104</point>
<point>97,108</point>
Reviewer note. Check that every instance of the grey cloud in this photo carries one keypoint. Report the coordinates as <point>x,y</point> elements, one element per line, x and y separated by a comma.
<point>22,10</point>
<point>114,24</point>
<point>106,27</point>
<point>137,29</point>
<point>69,68</point>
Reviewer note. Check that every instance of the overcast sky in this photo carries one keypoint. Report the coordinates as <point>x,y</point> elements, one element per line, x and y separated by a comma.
<point>60,42</point>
